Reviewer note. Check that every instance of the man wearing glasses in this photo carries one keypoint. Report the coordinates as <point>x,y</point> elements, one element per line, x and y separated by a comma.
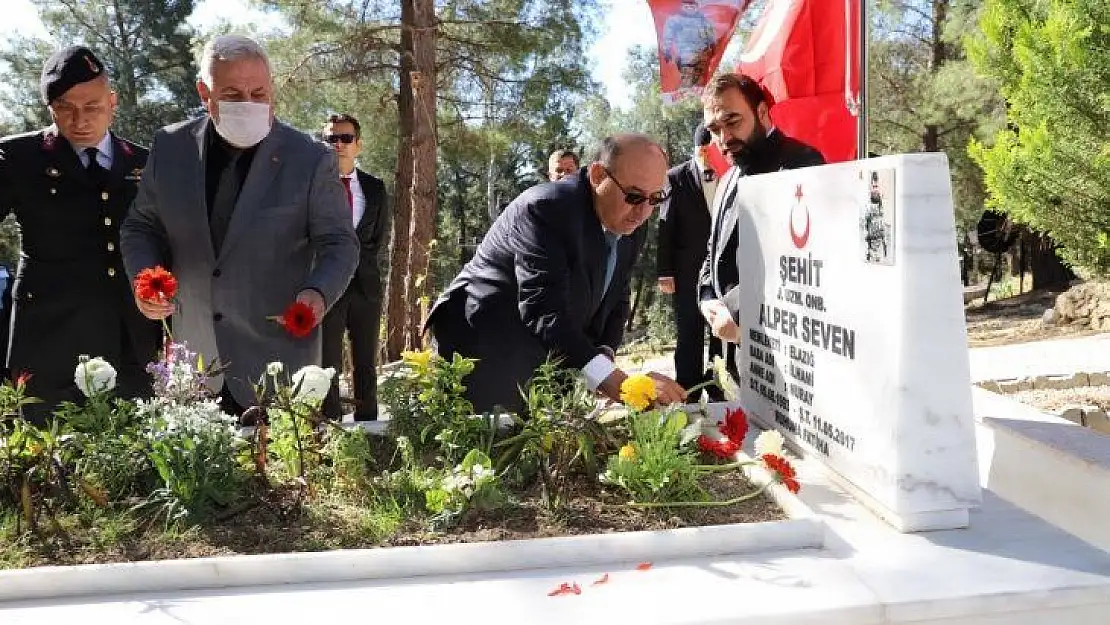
<point>552,277</point>
<point>358,311</point>
<point>69,186</point>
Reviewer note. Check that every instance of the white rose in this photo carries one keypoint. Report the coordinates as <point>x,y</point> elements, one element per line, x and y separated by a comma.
<point>768,442</point>
<point>275,368</point>
<point>94,375</point>
<point>312,383</point>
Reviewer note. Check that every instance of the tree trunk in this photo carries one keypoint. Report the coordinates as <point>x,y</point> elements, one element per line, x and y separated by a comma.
<point>395,321</point>
<point>424,165</point>
<point>1049,272</point>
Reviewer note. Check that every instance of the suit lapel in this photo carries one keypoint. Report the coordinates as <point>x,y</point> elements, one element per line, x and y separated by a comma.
<point>199,203</point>
<point>724,219</point>
<point>264,169</point>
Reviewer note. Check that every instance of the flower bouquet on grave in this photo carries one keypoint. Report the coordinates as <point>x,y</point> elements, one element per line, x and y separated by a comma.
<point>660,463</point>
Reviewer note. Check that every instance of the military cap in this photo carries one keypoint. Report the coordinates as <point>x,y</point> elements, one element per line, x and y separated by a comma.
<point>68,67</point>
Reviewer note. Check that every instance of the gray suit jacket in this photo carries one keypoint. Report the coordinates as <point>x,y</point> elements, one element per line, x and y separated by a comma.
<point>291,230</point>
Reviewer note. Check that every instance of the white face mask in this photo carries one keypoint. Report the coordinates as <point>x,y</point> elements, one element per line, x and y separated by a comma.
<point>243,124</point>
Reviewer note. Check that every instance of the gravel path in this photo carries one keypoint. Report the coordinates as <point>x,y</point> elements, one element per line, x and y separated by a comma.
<point>1053,400</point>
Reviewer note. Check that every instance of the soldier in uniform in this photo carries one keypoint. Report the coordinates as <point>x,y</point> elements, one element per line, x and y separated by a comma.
<point>70,186</point>
<point>689,40</point>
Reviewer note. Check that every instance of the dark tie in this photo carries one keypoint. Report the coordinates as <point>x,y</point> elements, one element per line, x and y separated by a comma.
<point>350,196</point>
<point>94,169</point>
<point>611,247</point>
<point>223,205</point>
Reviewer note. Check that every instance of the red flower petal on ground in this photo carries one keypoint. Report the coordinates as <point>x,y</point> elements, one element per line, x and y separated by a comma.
<point>565,588</point>
<point>735,426</point>
<point>643,566</point>
<point>604,579</point>
<point>299,319</point>
<point>155,283</point>
<point>792,485</point>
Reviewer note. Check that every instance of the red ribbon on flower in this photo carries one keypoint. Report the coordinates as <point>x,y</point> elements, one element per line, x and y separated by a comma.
<point>155,283</point>
<point>298,320</point>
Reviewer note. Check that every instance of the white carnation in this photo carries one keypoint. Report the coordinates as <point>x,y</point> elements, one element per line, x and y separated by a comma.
<point>768,442</point>
<point>312,383</point>
<point>94,375</point>
<point>275,368</point>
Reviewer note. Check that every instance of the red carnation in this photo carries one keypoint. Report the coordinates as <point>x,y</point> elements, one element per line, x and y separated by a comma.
<point>154,284</point>
<point>735,426</point>
<point>299,320</point>
<point>725,448</point>
<point>784,470</point>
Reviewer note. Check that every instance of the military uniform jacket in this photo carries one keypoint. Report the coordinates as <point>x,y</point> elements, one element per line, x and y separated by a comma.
<point>71,293</point>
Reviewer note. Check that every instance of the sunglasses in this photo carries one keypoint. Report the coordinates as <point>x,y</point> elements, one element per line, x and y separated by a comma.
<point>340,138</point>
<point>635,198</point>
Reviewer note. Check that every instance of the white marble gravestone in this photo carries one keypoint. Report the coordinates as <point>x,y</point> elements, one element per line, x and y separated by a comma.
<point>854,344</point>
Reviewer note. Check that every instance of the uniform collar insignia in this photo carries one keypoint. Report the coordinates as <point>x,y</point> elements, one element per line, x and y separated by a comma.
<point>49,139</point>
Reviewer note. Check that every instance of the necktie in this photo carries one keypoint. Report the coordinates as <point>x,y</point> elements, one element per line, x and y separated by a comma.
<point>94,169</point>
<point>223,205</point>
<point>611,247</point>
<point>350,196</point>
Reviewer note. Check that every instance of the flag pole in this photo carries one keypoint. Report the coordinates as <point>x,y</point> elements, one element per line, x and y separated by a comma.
<point>861,121</point>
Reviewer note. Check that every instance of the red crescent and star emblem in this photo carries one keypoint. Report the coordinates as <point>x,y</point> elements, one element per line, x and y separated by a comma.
<point>800,240</point>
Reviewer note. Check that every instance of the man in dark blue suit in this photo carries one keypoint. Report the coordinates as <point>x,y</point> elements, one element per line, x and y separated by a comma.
<point>552,276</point>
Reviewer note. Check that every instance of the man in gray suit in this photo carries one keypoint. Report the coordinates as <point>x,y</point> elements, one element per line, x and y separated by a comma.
<point>249,214</point>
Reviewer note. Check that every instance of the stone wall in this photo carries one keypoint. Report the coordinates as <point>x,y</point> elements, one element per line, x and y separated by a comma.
<point>1092,417</point>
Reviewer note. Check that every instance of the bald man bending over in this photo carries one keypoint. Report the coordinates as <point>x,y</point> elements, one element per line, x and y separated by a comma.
<point>552,276</point>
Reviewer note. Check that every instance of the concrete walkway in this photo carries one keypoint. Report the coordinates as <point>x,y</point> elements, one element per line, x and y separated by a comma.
<point>1088,354</point>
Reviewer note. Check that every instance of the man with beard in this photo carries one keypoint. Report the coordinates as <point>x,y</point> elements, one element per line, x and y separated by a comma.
<point>737,114</point>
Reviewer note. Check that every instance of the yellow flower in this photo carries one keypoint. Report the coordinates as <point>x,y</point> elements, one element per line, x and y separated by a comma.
<point>638,391</point>
<point>628,452</point>
<point>420,360</point>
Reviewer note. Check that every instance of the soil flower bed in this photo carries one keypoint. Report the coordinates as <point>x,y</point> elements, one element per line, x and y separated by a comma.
<point>113,480</point>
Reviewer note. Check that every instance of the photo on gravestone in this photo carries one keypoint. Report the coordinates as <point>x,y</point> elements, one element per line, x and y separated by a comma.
<point>876,222</point>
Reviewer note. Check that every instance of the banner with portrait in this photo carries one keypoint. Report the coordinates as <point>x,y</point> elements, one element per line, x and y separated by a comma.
<point>692,36</point>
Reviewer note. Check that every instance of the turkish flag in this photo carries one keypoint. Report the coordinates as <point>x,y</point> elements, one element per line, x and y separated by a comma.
<point>805,54</point>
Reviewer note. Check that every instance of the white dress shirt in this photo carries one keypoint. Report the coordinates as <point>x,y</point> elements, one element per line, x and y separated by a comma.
<point>103,154</point>
<point>708,189</point>
<point>357,197</point>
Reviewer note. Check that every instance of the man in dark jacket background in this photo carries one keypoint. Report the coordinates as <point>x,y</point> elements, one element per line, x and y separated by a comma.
<point>684,223</point>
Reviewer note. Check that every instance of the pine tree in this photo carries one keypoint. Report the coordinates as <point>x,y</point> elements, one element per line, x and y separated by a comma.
<point>1050,167</point>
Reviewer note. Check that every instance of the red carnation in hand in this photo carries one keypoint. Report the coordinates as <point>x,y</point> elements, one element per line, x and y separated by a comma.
<point>299,320</point>
<point>155,284</point>
<point>735,426</point>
